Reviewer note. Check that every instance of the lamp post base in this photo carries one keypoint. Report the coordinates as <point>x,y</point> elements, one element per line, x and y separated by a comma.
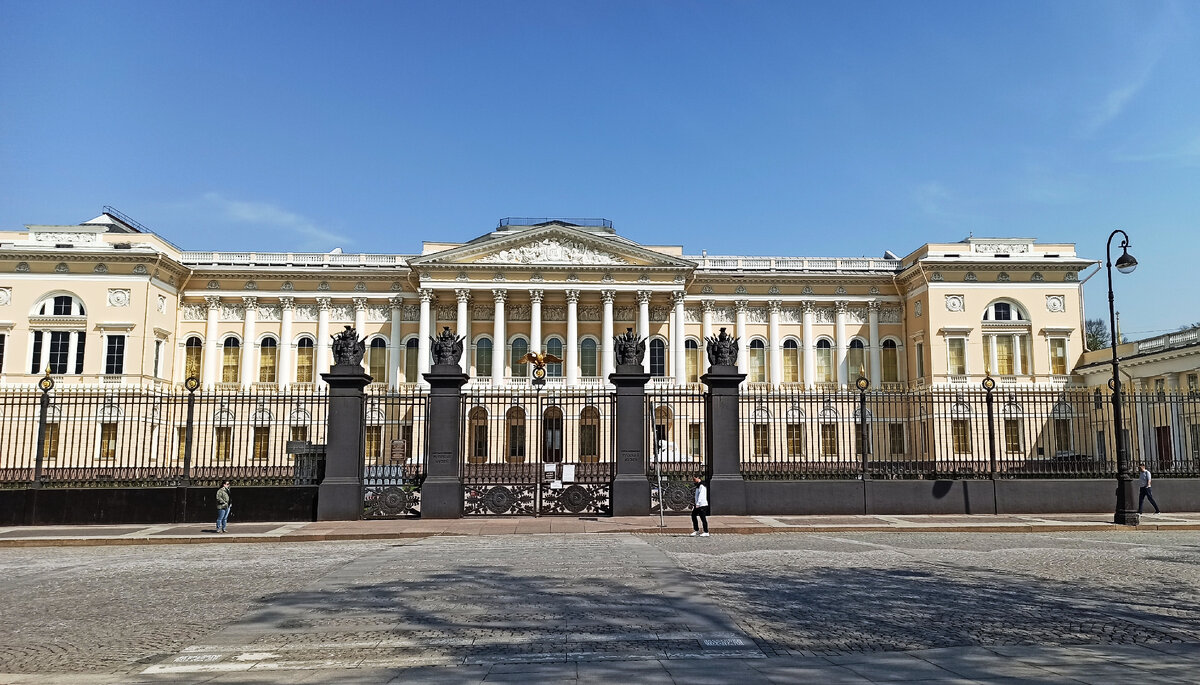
<point>1127,518</point>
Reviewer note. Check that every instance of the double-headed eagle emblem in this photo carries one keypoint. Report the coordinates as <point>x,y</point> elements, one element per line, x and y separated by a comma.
<point>539,361</point>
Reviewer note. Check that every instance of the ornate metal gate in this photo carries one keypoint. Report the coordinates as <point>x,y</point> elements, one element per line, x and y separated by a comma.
<point>676,439</point>
<point>394,428</point>
<point>530,451</point>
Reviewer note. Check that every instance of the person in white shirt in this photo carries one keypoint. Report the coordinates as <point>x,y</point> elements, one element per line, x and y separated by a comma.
<point>1145,481</point>
<point>700,510</point>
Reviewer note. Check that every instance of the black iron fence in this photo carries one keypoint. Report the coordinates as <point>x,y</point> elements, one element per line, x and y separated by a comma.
<point>395,428</point>
<point>140,437</point>
<point>675,445</point>
<point>937,434</point>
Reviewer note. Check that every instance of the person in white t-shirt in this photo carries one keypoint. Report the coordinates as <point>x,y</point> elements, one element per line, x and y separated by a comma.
<point>1145,481</point>
<point>700,510</point>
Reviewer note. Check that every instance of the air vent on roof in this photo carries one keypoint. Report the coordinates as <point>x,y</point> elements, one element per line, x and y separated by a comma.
<point>122,246</point>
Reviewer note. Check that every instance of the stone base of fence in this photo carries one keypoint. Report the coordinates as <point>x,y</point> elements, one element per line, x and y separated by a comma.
<point>108,506</point>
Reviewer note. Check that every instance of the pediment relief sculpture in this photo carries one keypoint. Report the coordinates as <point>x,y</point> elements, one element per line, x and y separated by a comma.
<point>551,251</point>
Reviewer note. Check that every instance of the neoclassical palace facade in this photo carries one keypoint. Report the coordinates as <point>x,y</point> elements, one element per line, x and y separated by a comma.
<point>107,302</point>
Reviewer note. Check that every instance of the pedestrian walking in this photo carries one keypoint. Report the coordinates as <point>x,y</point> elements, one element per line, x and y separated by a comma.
<point>224,504</point>
<point>700,509</point>
<point>1145,482</point>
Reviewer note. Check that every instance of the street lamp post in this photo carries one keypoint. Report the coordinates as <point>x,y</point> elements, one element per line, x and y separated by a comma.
<point>864,446</point>
<point>1126,514</point>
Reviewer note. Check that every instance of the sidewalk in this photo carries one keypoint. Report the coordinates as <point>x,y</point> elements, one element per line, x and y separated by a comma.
<point>193,533</point>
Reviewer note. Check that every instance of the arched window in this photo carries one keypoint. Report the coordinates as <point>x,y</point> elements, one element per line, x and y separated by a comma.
<point>791,361</point>
<point>479,436</point>
<point>520,348</point>
<point>231,356</point>
<point>483,357</point>
<point>552,434</point>
<point>757,361</point>
<point>589,435</point>
<point>267,358</point>
<point>856,359</point>
<point>377,360</point>
<point>304,360</point>
<point>588,366</point>
<point>663,426</point>
<point>1003,310</point>
<point>514,438</point>
<point>890,358</point>
<point>554,346</point>
<point>61,351</point>
<point>824,361</point>
<point>411,352</point>
<point>193,357</point>
<point>658,357</point>
<point>691,350</point>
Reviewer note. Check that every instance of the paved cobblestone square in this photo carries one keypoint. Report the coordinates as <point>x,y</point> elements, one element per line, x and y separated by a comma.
<point>774,607</point>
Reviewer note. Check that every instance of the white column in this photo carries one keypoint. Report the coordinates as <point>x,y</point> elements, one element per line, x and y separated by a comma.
<point>572,359</point>
<point>500,341</point>
<point>44,357</point>
<point>211,360</point>
<point>743,340</point>
<point>843,373</point>
<point>810,357</point>
<point>463,324</point>
<point>1016,343</point>
<point>396,354</point>
<point>360,328</point>
<point>286,369</point>
<point>774,343</point>
<point>1179,426</point>
<point>993,362</point>
<point>249,324</point>
<point>321,363</point>
<point>643,298</point>
<point>706,312</point>
<point>876,358</point>
<point>423,334</point>
<point>535,321</point>
<point>606,332</point>
<point>72,351</point>
<point>678,356</point>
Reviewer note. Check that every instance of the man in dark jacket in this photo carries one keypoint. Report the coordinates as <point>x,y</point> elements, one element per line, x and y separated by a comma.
<point>224,502</point>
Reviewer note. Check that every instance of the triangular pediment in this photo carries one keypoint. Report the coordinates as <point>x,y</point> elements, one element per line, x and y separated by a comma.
<point>550,245</point>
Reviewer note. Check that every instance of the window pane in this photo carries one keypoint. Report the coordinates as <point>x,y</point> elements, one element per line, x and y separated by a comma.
<point>50,449</point>
<point>483,358</point>
<point>824,365</point>
<point>1012,436</point>
<point>192,358</point>
<point>377,362</point>
<point>896,438</point>
<point>658,358</point>
<point>1058,356</point>
<point>829,439</point>
<point>554,346</point>
<point>758,363</point>
<point>587,358</point>
<point>60,345</point>
<point>37,353</point>
<point>961,431</point>
<point>267,359</point>
<point>520,348</point>
<point>795,440</point>
<point>791,363</point>
<point>223,443</point>
<point>108,441</point>
<point>410,361</point>
<point>262,440</point>
<point>957,348</point>
<point>373,448</point>
<point>304,361</point>
<point>856,361</point>
<point>231,357</point>
<point>890,359</point>
<point>114,355</point>
<point>1004,355</point>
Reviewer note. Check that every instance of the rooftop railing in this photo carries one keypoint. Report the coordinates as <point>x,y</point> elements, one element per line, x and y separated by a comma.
<point>796,263</point>
<point>1170,341</point>
<point>292,259</point>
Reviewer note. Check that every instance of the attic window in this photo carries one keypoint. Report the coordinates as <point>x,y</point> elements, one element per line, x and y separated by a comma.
<point>948,254</point>
<point>1001,255</point>
<point>64,245</point>
<point>1051,255</point>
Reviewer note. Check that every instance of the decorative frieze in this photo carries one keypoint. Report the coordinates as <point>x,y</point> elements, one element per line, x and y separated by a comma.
<point>590,312</point>
<point>232,311</point>
<point>889,315</point>
<point>553,312</point>
<point>692,315</point>
<point>857,315</point>
<point>269,312</point>
<point>341,313</point>
<point>411,312</point>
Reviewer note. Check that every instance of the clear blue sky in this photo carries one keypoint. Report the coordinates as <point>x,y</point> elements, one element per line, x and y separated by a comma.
<point>796,128</point>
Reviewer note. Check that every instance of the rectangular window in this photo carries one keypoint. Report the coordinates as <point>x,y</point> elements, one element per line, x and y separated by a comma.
<point>920,360</point>
<point>1101,446</point>
<point>694,439</point>
<point>889,356</point>
<point>230,360</point>
<point>374,444</point>
<point>791,364</point>
<point>824,365</point>
<point>1194,429</point>
<point>1193,380</point>
<point>50,450</point>
<point>376,363</point>
<point>856,362</point>
<point>960,431</point>
<point>193,355</point>
<point>658,360</point>
<point>1062,435</point>
<point>37,354</point>
<point>62,305</point>
<point>479,439</point>
<point>1058,356</point>
<point>223,443</point>
<point>483,361</point>
<point>114,356</point>
<point>262,443</point>
<point>1012,436</point>
<point>758,365</point>
<point>267,357</point>
<point>108,441</point>
<point>80,346</point>
<point>587,362</point>
<point>693,364</point>
<point>859,429</point>
<point>829,439</point>
<point>762,440</point>
<point>956,349</point>
<point>181,444</point>
<point>1004,356</point>
<point>304,364</point>
<point>60,350</point>
<point>158,345</point>
<point>516,442</point>
<point>795,440</point>
<point>896,443</point>
<point>2,340</point>
<point>299,433</point>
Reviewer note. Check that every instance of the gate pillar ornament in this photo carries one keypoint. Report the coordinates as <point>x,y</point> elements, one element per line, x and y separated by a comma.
<point>722,449</point>
<point>631,488</point>
<point>339,497</point>
<point>442,491</point>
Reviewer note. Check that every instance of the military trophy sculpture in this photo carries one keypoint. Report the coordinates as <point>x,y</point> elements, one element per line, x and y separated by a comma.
<point>630,349</point>
<point>447,348</point>
<point>348,350</point>
<point>722,349</point>
<point>539,361</point>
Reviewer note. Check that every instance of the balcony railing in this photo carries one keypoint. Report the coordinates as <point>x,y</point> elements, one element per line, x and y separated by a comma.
<point>292,259</point>
<point>796,264</point>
